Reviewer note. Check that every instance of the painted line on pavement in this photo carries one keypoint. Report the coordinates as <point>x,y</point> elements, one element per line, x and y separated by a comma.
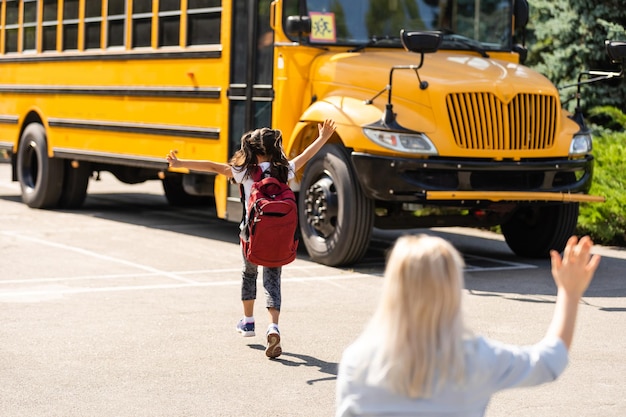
<point>99,256</point>
<point>475,263</point>
<point>146,275</point>
<point>61,291</point>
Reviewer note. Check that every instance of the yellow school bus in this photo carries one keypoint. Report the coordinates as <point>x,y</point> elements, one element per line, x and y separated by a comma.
<point>439,122</point>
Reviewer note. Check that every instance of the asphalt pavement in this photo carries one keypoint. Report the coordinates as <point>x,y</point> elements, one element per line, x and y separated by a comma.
<point>127,307</point>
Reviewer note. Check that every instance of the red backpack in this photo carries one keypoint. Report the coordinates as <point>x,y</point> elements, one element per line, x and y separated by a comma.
<point>269,235</point>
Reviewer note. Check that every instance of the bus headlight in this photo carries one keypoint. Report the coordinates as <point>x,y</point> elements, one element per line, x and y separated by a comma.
<point>581,144</point>
<point>402,142</point>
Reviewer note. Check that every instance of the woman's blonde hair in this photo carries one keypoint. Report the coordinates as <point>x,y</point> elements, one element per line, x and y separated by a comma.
<point>418,328</point>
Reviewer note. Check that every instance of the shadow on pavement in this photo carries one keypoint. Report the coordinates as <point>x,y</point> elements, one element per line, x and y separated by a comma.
<point>329,368</point>
<point>514,276</point>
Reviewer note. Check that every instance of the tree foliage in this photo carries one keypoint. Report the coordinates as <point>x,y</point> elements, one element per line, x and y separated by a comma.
<point>565,37</point>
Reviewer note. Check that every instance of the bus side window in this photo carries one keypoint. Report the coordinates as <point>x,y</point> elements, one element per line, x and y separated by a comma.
<point>142,23</point>
<point>265,45</point>
<point>70,25</point>
<point>116,23</point>
<point>169,23</point>
<point>204,18</point>
<point>93,24</point>
<point>50,22</point>
<point>11,26</point>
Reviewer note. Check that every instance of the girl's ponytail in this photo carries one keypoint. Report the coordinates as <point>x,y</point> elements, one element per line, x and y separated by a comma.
<point>262,142</point>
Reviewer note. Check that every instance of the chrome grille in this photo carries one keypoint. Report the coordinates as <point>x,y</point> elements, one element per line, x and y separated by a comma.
<point>482,121</point>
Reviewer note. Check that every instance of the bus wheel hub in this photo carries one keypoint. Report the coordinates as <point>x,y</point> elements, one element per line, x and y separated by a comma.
<point>321,206</point>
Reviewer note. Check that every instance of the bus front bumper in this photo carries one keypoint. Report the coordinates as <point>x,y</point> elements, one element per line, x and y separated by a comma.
<point>438,180</point>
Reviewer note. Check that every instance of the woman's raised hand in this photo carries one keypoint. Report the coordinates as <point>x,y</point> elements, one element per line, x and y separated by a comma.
<point>574,271</point>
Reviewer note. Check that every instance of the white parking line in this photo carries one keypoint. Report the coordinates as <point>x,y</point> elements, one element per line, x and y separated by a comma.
<point>99,256</point>
<point>50,288</point>
<point>146,275</point>
<point>475,263</point>
<point>56,292</point>
<point>82,278</point>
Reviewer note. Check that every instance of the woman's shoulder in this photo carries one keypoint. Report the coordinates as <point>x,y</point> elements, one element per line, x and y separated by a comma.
<point>361,350</point>
<point>484,349</point>
<point>483,355</point>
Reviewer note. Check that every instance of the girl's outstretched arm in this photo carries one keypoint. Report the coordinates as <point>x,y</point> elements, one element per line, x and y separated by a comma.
<point>205,166</point>
<point>326,130</point>
<point>572,275</point>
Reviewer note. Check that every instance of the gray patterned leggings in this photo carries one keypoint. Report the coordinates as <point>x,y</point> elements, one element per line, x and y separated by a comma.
<point>271,283</point>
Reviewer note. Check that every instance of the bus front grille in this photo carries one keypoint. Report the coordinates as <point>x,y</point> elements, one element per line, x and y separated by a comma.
<point>480,121</point>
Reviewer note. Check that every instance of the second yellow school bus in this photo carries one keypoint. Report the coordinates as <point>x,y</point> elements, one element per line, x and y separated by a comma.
<point>439,122</point>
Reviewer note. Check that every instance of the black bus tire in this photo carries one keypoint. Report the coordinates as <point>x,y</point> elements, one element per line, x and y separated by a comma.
<point>177,196</point>
<point>75,183</point>
<point>40,177</point>
<point>336,218</point>
<point>534,231</point>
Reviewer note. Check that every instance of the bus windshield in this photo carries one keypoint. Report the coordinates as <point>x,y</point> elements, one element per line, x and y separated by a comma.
<point>466,24</point>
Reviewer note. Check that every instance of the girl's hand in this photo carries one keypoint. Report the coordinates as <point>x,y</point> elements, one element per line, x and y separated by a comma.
<point>327,129</point>
<point>172,160</point>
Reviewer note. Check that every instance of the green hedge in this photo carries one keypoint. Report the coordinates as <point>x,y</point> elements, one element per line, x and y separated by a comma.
<point>606,222</point>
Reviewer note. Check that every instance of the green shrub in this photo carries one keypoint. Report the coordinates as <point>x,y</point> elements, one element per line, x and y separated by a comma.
<point>606,222</point>
<point>608,117</point>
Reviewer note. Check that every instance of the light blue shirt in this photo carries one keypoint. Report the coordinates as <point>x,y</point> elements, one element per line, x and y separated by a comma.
<point>490,367</point>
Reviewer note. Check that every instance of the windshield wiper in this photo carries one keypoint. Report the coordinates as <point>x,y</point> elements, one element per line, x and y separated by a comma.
<point>375,40</point>
<point>471,44</point>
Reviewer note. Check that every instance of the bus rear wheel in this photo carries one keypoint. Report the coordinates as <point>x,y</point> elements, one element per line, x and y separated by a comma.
<point>336,218</point>
<point>177,196</point>
<point>75,183</point>
<point>40,177</point>
<point>534,231</point>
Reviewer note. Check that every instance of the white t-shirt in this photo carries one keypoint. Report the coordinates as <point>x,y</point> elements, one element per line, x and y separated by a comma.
<point>240,178</point>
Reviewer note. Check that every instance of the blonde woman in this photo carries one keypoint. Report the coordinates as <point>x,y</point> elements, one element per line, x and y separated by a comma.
<point>415,357</point>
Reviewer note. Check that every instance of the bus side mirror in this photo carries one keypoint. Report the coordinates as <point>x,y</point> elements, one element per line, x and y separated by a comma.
<point>616,50</point>
<point>421,42</point>
<point>522,51</point>
<point>520,13</point>
<point>297,26</point>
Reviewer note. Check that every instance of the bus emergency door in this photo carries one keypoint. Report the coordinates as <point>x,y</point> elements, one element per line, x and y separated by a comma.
<point>250,91</point>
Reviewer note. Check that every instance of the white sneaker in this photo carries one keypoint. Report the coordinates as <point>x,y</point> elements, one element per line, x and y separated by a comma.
<point>246,329</point>
<point>273,349</point>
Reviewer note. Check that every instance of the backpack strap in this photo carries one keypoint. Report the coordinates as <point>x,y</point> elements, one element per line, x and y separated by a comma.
<point>256,175</point>
<point>242,192</point>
